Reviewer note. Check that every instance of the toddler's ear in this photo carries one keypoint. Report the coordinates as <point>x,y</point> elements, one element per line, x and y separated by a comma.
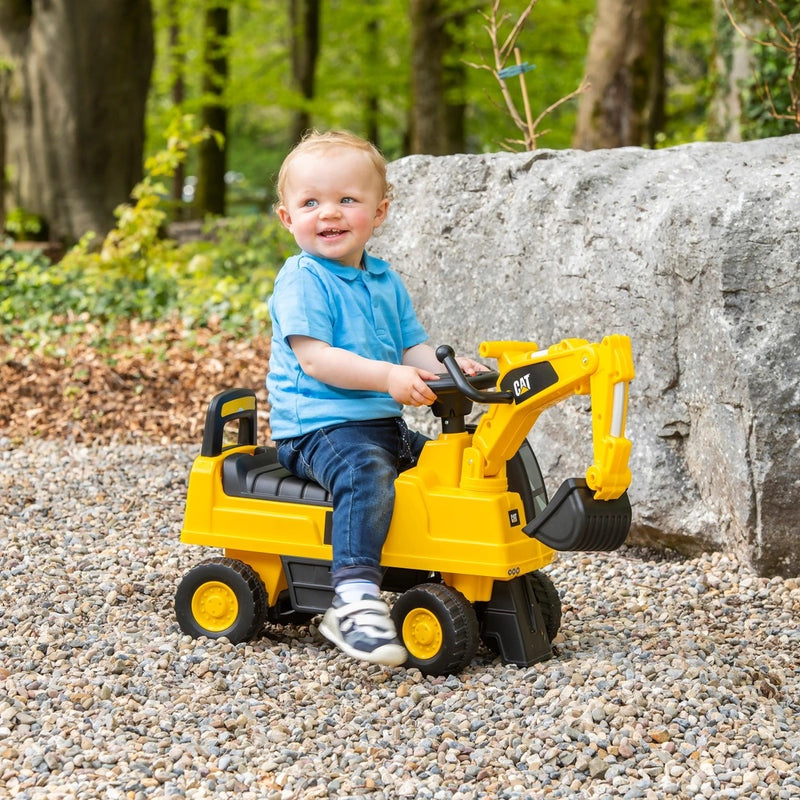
<point>285,217</point>
<point>381,212</point>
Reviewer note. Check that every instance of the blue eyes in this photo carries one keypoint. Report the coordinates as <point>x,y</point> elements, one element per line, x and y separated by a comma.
<point>315,203</point>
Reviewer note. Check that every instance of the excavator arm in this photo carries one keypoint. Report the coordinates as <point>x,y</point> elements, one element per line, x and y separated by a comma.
<point>532,380</point>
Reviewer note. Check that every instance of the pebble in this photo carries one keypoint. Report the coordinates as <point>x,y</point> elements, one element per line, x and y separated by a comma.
<point>672,679</point>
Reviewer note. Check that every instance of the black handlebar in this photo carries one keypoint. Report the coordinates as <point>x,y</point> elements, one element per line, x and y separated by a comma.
<point>447,356</point>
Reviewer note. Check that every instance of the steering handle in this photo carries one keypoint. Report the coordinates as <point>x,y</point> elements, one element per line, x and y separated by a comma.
<point>447,356</point>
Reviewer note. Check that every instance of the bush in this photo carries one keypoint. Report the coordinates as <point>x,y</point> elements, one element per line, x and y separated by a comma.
<point>224,279</point>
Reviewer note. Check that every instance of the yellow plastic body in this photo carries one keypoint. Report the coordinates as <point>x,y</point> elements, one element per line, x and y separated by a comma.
<point>437,526</point>
<point>454,513</point>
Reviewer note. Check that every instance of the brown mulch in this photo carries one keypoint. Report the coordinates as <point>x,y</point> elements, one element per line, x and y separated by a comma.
<point>150,383</point>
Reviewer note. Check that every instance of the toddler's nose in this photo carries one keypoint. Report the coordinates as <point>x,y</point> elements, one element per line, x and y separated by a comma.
<point>329,210</point>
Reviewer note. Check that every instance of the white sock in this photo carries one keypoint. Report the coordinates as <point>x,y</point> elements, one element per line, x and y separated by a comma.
<point>353,591</point>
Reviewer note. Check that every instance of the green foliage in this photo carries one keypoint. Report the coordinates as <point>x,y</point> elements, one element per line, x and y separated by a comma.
<point>258,94</point>
<point>772,112</point>
<point>29,286</point>
<point>225,279</point>
<point>137,272</point>
<point>689,45</point>
<point>229,278</point>
<point>554,56</point>
<point>364,69</point>
<point>364,56</point>
<point>22,224</point>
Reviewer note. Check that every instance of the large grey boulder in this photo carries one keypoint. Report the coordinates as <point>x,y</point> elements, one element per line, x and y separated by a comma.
<point>694,252</point>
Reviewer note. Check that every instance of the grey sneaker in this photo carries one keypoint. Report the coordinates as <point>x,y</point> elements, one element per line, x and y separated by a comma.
<point>364,630</point>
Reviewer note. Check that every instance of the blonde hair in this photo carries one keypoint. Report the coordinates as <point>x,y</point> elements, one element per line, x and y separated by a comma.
<point>315,142</point>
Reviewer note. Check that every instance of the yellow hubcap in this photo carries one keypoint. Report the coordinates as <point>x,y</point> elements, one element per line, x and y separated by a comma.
<point>422,634</point>
<point>214,606</point>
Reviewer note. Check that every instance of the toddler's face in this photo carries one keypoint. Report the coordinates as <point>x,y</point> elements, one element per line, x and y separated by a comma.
<point>333,201</point>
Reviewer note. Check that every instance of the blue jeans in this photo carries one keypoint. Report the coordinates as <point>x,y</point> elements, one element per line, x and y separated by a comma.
<point>357,462</point>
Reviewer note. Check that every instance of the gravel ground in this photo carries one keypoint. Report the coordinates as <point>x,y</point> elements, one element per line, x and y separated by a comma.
<point>672,679</point>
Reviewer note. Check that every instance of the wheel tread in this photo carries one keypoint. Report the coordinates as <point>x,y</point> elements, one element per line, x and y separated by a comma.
<point>461,615</point>
<point>549,601</point>
<point>254,586</point>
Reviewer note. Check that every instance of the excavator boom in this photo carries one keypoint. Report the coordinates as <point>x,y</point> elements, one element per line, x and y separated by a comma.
<point>537,379</point>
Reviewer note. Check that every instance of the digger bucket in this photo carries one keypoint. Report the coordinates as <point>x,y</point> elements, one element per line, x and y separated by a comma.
<point>573,520</point>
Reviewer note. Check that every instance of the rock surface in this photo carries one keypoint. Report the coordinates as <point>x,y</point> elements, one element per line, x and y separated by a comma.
<point>692,251</point>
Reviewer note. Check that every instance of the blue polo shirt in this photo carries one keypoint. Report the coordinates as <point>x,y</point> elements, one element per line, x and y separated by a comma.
<point>367,311</point>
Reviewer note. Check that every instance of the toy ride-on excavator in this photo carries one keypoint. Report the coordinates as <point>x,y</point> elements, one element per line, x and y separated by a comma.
<point>472,525</point>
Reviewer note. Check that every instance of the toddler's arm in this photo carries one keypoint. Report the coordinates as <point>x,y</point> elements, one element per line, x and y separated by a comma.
<point>424,356</point>
<point>346,370</point>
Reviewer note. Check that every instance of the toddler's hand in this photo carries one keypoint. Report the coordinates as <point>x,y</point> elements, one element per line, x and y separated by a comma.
<point>407,385</point>
<point>470,367</point>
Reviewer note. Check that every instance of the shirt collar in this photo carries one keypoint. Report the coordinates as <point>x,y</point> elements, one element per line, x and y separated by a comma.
<point>372,265</point>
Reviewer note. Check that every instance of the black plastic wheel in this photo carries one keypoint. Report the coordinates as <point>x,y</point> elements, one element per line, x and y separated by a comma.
<point>221,597</point>
<point>548,599</point>
<point>438,627</point>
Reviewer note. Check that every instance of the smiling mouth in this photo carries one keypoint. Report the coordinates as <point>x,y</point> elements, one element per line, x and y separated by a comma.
<point>332,233</point>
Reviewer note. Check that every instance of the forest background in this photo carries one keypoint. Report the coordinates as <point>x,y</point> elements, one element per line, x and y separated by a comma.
<point>119,120</point>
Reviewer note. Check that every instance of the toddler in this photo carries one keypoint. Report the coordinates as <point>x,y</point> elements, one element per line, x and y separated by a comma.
<point>347,353</point>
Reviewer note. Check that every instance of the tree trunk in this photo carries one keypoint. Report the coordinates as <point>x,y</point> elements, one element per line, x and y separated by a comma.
<point>304,21</point>
<point>427,84</point>
<point>437,120</point>
<point>177,84</point>
<point>73,104</point>
<point>213,156</point>
<point>454,79</point>
<point>623,104</point>
<point>372,103</point>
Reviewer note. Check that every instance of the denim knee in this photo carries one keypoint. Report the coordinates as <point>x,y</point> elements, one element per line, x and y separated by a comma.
<point>358,463</point>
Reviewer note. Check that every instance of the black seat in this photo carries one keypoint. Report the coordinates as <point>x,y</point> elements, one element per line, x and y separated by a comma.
<point>260,475</point>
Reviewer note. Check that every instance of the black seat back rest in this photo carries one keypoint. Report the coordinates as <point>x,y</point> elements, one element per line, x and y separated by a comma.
<point>260,475</point>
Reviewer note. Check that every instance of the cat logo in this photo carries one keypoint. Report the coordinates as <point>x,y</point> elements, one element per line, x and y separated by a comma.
<point>522,385</point>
